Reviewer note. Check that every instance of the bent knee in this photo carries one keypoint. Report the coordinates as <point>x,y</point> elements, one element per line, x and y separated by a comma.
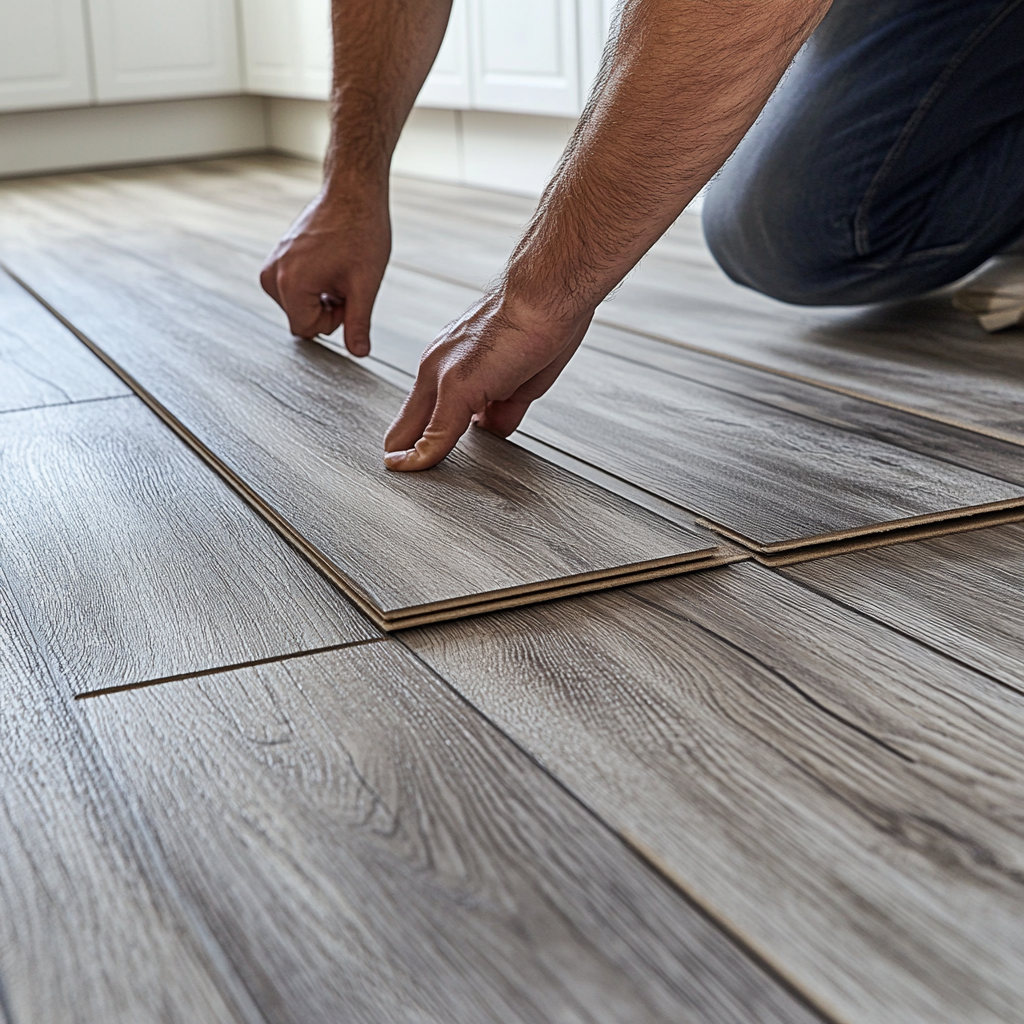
<point>780,253</point>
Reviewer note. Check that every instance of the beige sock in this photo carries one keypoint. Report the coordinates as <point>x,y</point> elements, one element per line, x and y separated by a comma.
<point>994,293</point>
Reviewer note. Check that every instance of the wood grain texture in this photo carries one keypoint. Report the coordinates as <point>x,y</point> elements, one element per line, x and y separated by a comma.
<point>133,561</point>
<point>960,594</point>
<point>767,477</point>
<point>301,429</point>
<point>44,363</point>
<point>366,848</point>
<point>413,308</point>
<point>844,797</point>
<point>922,356</point>
<point>916,433</point>
<point>92,929</point>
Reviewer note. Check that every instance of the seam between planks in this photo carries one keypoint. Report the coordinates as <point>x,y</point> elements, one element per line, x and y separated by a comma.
<point>280,524</point>
<point>218,669</point>
<point>898,630</point>
<point>878,530</point>
<point>64,405</point>
<point>222,971</point>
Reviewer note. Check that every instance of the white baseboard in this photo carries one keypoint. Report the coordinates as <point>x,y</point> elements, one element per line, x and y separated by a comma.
<point>76,138</point>
<point>507,152</point>
<point>510,152</point>
<point>298,127</point>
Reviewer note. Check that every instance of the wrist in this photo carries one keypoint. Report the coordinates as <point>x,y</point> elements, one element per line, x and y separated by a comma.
<point>346,177</point>
<point>542,298</point>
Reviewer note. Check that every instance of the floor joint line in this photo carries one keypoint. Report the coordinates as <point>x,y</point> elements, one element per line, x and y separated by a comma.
<point>219,669</point>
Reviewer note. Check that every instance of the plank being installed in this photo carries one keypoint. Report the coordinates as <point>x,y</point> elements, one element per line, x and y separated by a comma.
<point>43,362</point>
<point>298,430</point>
<point>92,929</point>
<point>960,594</point>
<point>365,847</point>
<point>765,477</point>
<point>133,562</point>
<point>844,797</point>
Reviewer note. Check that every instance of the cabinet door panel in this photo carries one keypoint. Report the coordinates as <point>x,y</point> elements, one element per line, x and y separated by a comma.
<point>42,54</point>
<point>595,23</point>
<point>448,84</point>
<point>288,47</point>
<point>150,49</point>
<point>524,56</point>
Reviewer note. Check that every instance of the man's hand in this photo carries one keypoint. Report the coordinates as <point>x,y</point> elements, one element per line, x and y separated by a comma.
<point>681,82</point>
<point>485,368</point>
<point>327,269</point>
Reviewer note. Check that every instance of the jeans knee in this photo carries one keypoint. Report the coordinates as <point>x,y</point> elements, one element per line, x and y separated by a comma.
<point>769,246</point>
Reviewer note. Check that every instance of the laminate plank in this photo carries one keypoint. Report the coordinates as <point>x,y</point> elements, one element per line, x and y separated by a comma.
<point>43,363</point>
<point>959,594</point>
<point>298,429</point>
<point>916,433</point>
<point>133,562</point>
<point>922,356</point>
<point>365,847</point>
<point>765,477</point>
<point>92,930</point>
<point>844,797</point>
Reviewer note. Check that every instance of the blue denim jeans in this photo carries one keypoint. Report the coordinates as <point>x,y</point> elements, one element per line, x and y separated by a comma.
<point>888,162</point>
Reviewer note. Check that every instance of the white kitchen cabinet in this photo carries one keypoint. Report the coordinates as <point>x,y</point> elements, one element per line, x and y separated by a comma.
<point>524,56</point>
<point>448,83</point>
<point>42,54</point>
<point>288,47</point>
<point>595,22</point>
<point>159,49</point>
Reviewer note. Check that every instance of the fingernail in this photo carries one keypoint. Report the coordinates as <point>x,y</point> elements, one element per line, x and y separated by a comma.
<point>394,459</point>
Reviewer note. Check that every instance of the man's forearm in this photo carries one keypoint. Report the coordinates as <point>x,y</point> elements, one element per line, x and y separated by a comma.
<point>681,83</point>
<point>383,50</point>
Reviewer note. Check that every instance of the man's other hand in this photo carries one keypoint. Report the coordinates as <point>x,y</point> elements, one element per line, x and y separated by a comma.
<point>485,368</point>
<point>327,269</point>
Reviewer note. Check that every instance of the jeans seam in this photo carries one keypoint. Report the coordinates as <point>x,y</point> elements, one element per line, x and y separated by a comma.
<point>860,228</point>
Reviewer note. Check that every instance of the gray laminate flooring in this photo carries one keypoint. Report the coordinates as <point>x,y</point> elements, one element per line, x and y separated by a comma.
<point>264,409</point>
<point>743,794</point>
